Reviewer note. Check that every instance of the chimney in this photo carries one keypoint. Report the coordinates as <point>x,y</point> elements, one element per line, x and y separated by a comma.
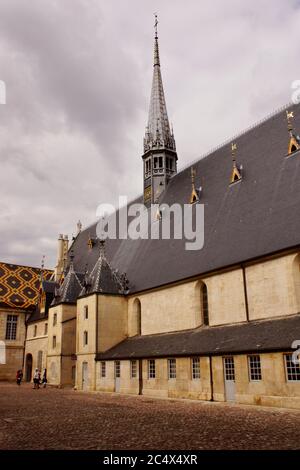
<point>62,254</point>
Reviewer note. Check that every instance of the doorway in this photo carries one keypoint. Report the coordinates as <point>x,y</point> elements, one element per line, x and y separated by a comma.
<point>117,376</point>
<point>85,376</point>
<point>229,378</point>
<point>28,367</point>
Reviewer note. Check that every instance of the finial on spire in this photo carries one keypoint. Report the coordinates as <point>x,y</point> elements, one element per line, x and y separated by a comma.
<point>155,25</point>
<point>233,150</point>
<point>195,194</point>
<point>79,226</point>
<point>289,116</point>
<point>236,174</point>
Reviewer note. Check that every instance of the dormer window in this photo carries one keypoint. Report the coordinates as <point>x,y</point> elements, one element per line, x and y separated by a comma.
<point>294,142</point>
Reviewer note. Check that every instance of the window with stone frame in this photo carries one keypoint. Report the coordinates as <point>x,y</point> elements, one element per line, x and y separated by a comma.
<point>292,369</point>
<point>195,368</point>
<point>151,369</point>
<point>117,369</point>
<point>11,327</point>
<point>103,369</point>
<point>133,369</point>
<point>172,368</point>
<point>85,338</point>
<point>254,366</point>
<point>86,312</point>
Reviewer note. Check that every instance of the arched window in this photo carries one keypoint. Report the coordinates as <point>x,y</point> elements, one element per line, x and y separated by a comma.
<point>137,317</point>
<point>204,304</point>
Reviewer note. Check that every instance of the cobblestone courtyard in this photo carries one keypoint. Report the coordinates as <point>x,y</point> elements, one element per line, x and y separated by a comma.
<point>65,419</point>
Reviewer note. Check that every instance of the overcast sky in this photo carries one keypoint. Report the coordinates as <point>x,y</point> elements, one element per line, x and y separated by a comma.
<point>78,76</point>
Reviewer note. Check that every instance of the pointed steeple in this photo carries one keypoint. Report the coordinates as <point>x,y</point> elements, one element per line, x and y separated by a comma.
<point>103,279</point>
<point>158,132</point>
<point>71,286</point>
<point>160,157</point>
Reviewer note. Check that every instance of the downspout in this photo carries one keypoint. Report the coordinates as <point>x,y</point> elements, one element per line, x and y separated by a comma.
<point>23,358</point>
<point>96,342</point>
<point>245,292</point>
<point>211,379</point>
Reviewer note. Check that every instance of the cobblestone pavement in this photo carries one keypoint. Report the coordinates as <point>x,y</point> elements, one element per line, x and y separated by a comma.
<point>65,419</point>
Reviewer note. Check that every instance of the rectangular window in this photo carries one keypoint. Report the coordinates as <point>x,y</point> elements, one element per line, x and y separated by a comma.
<point>103,369</point>
<point>151,369</point>
<point>54,319</point>
<point>35,331</point>
<point>229,368</point>
<point>172,368</point>
<point>254,368</point>
<point>86,312</point>
<point>155,162</point>
<point>46,329</point>
<point>54,342</point>
<point>133,369</point>
<point>160,162</point>
<point>117,369</point>
<point>196,368</point>
<point>292,370</point>
<point>11,327</point>
<point>85,338</point>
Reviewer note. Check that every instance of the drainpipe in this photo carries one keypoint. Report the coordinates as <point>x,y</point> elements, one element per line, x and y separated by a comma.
<point>245,291</point>
<point>96,342</point>
<point>211,379</point>
<point>23,358</point>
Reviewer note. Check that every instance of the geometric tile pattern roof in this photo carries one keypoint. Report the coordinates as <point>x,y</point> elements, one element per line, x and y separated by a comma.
<point>20,285</point>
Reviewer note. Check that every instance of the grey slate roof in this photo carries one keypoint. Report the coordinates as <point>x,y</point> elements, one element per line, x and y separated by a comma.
<point>70,289</point>
<point>252,337</point>
<point>252,218</point>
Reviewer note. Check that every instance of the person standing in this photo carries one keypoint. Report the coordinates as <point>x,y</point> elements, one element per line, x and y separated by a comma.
<point>19,376</point>
<point>36,379</point>
<point>44,378</point>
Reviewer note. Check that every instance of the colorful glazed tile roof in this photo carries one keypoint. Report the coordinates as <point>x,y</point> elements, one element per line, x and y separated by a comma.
<point>20,285</point>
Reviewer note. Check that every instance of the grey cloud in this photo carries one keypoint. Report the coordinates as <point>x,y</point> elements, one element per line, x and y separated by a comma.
<point>78,75</point>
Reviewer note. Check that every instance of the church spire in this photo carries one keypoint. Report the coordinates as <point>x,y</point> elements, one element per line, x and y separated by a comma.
<point>159,144</point>
<point>158,131</point>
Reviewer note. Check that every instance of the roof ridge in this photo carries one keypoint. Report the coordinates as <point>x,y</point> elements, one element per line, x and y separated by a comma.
<point>235,136</point>
<point>212,150</point>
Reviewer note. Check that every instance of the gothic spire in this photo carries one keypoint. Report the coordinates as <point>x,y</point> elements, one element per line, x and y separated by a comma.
<point>102,278</point>
<point>158,133</point>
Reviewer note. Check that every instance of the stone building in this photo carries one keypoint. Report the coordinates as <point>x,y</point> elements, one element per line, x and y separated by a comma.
<point>19,295</point>
<point>150,317</point>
